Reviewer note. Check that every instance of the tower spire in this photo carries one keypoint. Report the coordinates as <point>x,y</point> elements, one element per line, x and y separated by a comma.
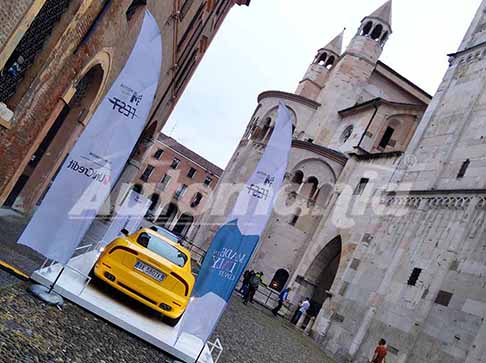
<point>336,45</point>
<point>383,13</point>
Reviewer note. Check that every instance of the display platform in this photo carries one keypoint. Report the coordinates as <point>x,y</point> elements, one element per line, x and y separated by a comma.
<point>73,286</point>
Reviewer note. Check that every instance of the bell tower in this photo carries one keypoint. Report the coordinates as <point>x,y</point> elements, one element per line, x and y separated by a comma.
<point>372,34</point>
<point>343,86</point>
<point>318,72</point>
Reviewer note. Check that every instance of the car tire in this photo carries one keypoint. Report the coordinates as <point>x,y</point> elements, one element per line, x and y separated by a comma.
<point>170,321</point>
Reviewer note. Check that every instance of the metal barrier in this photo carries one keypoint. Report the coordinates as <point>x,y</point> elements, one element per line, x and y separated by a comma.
<point>197,253</point>
<point>268,298</point>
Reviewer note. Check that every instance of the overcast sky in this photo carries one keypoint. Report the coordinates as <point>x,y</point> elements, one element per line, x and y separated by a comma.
<point>270,44</point>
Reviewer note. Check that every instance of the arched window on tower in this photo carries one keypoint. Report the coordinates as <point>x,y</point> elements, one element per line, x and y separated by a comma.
<point>330,62</point>
<point>376,34</point>
<point>367,28</point>
<point>279,279</point>
<point>321,59</point>
<point>384,38</point>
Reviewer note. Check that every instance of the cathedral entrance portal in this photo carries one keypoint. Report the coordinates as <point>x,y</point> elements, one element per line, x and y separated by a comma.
<point>321,274</point>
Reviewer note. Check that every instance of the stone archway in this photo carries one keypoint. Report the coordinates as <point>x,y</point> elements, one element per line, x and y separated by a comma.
<point>167,215</point>
<point>183,225</point>
<point>71,116</point>
<point>321,274</point>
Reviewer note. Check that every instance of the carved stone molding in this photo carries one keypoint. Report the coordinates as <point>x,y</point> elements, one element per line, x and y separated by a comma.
<point>434,202</point>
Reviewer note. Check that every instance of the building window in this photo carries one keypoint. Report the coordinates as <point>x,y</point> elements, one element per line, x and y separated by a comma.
<point>385,140</point>
<point>164,182</point>
<point>146,174</point>
<point>158,154</point>
<point>196,200</point>
<point>180,192</point>
<point>137,188</point>
<point>355,264</point>
<point>207,181</point>
<point>463,169</point>
<point>443,298</point>
<point>154,199</point>
<point>346,134</point>
<point>185,8</point>
<point>361,186</point>
<point>191,173</point>
<point>23,56</point>
<point>132,9</point>
<point>412,281</point>
<point>175,163</point>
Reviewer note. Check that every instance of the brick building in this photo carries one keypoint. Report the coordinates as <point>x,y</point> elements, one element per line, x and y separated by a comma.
<point>178,182</point>
<point>57,60</point>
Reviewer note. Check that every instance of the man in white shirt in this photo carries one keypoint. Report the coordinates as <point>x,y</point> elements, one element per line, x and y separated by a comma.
<point>303,307</point>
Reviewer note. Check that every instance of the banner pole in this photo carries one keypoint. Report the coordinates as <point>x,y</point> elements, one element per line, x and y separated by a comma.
<point>55,281</point>
<point>200,353</point>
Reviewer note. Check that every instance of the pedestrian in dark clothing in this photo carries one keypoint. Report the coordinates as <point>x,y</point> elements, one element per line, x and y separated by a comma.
<point>282,298</point>
<point>246,282</point>
<point>255,281</point>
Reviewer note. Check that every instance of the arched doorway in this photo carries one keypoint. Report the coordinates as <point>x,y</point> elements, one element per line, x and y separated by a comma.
<point>154,200</point>
<point>322,273</point>
<point>167,215</point>
<point>183,225</point>
<point>279,279</point>
<point>69,123</point>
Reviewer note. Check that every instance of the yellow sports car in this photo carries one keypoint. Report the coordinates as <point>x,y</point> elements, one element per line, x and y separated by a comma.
<point>150,268</point>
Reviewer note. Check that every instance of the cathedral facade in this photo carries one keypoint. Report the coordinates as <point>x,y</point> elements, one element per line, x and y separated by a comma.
<point>381,217</point>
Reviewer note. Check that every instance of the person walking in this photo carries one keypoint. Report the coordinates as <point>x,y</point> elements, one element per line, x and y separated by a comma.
<point>246,282</point>
<point>380,352</point>
<point>303,307</point>
<point>255,281</point>
<point>282,299</point>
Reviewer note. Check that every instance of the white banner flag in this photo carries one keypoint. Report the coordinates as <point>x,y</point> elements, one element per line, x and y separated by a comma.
<point>235,242</point>
<point>129,216</point>
<point>96,161</point>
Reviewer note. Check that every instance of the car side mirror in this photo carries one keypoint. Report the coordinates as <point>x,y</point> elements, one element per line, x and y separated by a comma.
<point>124,232</point>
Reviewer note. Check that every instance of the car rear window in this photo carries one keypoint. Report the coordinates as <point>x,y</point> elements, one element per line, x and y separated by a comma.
<point>168,234</point>
<point>164,249</point>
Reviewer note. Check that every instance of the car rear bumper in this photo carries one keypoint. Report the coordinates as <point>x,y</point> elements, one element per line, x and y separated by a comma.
<point>133,284</point>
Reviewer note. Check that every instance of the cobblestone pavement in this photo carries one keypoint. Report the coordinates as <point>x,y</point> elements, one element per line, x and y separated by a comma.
<point>31,331</point>
<point>7,279</point>
<point>11,226</point>
<point>250,334</point>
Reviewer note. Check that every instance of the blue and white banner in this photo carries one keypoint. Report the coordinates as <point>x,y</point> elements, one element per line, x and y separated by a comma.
<point>235,242</point>
<point>96,161</point>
